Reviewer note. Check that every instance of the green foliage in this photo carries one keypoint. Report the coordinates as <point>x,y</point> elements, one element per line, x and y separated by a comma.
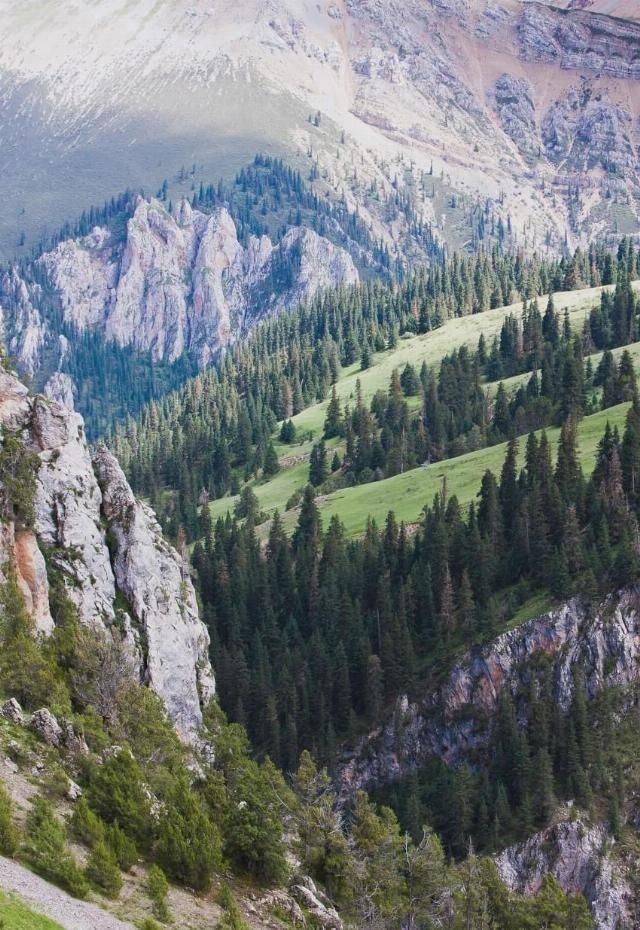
<point>18,470</point>
<point>28,671</point>
<point>103,871</point>
<point>188,846</point>
<point>232,918</point>
<point>124,849</point>
<point>117,794</point>
<point>86,826</point>
<point>322,846</point>
<point>246,800</point>
<point>150,924</point>
<point>46,852</point>
<point>8,834</point>
<point>157,887</point>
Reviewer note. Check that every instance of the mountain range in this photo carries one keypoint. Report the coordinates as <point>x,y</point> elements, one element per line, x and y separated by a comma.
<point>529,105</point>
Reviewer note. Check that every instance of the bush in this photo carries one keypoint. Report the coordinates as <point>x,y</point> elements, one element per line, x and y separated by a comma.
<point>157,887</point>
<point>123,846</point>
<point>45,849</point>
<point>102,870</point>
<point>117,794</point>
<point>232,918</point>
<point>8,832</point>
<point>189,846</point>
<point>85,825</point>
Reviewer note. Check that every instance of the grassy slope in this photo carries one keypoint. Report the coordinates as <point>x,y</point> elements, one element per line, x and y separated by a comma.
<point>17,916</point>
<point>408,493</point>
<point>431,347</point>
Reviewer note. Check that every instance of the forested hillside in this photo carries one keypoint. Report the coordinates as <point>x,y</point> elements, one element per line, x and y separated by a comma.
<point>127,786</point>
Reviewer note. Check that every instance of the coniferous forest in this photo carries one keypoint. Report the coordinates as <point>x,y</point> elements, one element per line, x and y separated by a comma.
<point>316,634</point>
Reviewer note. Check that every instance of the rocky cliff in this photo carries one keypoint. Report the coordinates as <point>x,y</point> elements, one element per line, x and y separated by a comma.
<point>448,723</point>
<point>402,89</point>
<point>581,856</point>
<point>454,723</point>
<point>179,282</point>
<point>119,572</point>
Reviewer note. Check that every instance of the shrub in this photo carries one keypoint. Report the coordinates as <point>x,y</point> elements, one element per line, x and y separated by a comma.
<point>117,794</point>
<point>85,825</point>
<point>45,849</point>
<point>102,870</point>
<point>8,832</point>
<point>189,846</point>
<point>26,671</point>
<point>232,918</point>
<point>157,887</point>
<point>123,846</point>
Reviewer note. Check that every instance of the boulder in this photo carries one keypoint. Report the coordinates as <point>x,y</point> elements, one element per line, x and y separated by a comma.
<point>12,711</point>
<point>74,791</point>
<point>47,727</point>
<point>322,913</point>
<point>286,903</point>
<point>73,741</point>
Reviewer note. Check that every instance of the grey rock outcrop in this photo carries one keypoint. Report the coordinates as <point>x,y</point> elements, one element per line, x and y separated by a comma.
<point>584,41</point>
<point>578,854</point>
<point>12,712</point>
<point>321,911</point>
<point>604,642</point>
<point>158,589</point>
<point>517,113</point>
<point>180,281</point>
<point>60,387</point>
<point>47,727</point>
<point>82,508</point>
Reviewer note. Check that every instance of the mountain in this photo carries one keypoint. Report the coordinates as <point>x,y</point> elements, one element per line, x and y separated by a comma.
<point>180,282</point>
<point>527,105</point>
<point>163,289</point>
<point>355,351</point>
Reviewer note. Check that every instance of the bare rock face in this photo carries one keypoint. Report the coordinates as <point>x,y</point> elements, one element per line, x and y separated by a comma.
<point>156,583</point>
<point>83,273</point>
<point>83,508</point>
<point>15,405</point>
<point>517,113</point>
<point>31,574</point>
<point>47,727</point>
<point>181,281</point>
<point>68,508</point>
<point>604,643</point>
<point>578,854</point>
<point>24,331</point>
<point>322,913</point>
<point>60,388</point>
<point>582,42</point>
<point>584,132</point>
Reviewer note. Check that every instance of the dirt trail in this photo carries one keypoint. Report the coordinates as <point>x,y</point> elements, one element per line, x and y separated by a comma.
<point>54,903</point>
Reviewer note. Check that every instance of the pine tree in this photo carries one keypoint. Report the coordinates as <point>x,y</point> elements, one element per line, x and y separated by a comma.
<point>333,425</point>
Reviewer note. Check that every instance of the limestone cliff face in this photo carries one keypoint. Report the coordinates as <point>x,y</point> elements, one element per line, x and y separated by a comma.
<point>454,721</point>
<point>156,583</point>
<point>180,281</point>
<point>604,643</point>
<point>579,855</point>
<point>106,543</point>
